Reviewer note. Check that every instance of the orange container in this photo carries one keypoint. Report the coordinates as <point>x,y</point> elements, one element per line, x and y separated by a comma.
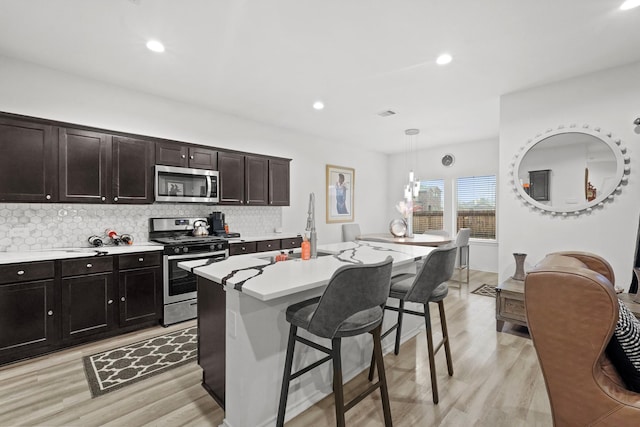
<point>306,249</point>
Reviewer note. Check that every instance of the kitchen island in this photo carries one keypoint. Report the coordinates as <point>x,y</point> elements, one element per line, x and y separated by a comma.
<point>243,331</point>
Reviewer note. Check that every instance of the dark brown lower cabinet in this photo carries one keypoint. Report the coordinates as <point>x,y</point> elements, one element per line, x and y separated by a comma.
<point>49,305</point>
<point>27,321</point>
<point>140,296</point>
<point>87,303</point>
<point>212,325</point>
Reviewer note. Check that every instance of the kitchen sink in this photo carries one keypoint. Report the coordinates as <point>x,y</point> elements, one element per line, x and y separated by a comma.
<point>298,255</point>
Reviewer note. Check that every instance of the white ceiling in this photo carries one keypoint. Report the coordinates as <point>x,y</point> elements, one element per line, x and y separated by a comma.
<point>270,60</point>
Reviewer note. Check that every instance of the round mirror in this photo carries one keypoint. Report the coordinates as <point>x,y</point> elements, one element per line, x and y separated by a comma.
<point>570,171</point>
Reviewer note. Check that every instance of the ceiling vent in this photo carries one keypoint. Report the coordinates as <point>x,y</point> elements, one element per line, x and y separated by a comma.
<point>386,113</point>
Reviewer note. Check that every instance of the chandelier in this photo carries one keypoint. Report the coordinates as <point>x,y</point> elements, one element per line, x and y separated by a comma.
<point>412,189</point>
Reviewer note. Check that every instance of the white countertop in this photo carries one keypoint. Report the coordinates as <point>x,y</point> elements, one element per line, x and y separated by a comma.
<point>52,254</point>
<point>258,276</point>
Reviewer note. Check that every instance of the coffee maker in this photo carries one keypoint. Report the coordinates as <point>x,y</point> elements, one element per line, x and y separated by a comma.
<point>216,223</point>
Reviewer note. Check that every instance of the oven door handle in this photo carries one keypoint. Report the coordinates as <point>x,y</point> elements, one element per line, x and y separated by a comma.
<point>198,255</point>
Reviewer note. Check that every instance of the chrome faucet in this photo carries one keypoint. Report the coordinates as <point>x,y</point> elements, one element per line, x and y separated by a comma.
<point>311,226</point>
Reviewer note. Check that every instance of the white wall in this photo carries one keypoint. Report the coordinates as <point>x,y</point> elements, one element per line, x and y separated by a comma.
<point>608,99</point>
<point>475,158</point>
<point>41,92</point>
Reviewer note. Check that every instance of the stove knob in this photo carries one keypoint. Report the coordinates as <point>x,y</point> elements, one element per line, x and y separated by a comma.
<point>176,250</point>
<point>212,247</point>
<point>185,249</point>
<point>220,246</point>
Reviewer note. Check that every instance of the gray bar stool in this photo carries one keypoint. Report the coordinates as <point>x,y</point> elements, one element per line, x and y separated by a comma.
<point>352,304</point>
<point>428,285</point>
<point>462,243</point>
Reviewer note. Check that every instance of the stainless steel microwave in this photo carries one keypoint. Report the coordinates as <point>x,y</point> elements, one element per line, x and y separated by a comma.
<point>175,184</point>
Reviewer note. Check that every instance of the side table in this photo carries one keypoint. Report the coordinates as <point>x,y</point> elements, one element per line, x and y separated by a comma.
<point>510,303</point>
<point>628,300</point>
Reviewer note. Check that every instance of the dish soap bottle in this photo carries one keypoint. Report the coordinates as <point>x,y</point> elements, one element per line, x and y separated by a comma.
<point>306,248</point>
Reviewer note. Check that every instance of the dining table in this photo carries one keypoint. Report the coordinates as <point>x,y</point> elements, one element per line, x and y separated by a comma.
<point>416,240</point>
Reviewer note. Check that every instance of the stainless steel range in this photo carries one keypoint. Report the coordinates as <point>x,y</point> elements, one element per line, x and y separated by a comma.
<point>179,286</point>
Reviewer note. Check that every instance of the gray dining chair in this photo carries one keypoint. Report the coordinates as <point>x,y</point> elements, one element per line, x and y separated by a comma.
<point>426,286</point>
<point>352,304</point>
<point>350,232</point>
<point>462,243</point>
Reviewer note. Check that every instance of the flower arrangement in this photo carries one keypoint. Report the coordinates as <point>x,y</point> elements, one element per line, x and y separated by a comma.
<point>405,208</point>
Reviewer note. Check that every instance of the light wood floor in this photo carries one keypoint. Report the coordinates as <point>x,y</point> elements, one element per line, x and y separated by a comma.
<point>496,382</point>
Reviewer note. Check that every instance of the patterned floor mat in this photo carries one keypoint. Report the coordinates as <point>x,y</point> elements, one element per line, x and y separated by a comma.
<point>114,369</point>
<point>486,290</point>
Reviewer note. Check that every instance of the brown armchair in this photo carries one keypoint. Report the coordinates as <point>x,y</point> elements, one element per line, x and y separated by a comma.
<point>572,311</point>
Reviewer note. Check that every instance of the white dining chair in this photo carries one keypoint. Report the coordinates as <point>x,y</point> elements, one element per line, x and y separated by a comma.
<point>350,232</point>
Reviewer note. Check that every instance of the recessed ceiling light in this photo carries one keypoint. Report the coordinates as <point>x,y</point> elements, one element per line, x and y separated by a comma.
<point>318,105</point>
<point>155,46</point>
<point>444,59</point>
<point>630,4</point>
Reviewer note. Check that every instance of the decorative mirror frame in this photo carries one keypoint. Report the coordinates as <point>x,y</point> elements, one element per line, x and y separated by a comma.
<point>622,170</point>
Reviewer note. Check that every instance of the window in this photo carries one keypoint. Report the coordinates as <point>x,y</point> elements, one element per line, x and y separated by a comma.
<point>476,205</point>
<point>429,206</point>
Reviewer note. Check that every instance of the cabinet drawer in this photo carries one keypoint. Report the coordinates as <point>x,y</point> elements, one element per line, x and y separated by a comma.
<point>242,248</point>
<point>291,243</point>
<point>75,267</point>
<point>143,259</point>
<point>25,271</point>
<point>268,245</point>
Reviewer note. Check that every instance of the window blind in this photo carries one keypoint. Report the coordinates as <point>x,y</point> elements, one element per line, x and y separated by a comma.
<point>429,206</point>
<point>476,205</point>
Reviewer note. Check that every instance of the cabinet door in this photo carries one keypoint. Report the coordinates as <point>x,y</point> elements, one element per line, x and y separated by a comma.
<point>256,180</point>
<point>87,305</point>
<point>27,313</point>
<point>140,295</point>
<point>28,162</point>
<point>132,166</point>
<point>203,158</point>
<point>279,182</point>
<point>172,154</point>
<point>83,172</point>
<point>231,169</point>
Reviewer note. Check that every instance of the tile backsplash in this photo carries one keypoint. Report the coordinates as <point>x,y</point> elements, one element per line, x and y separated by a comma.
<point>38,226</point>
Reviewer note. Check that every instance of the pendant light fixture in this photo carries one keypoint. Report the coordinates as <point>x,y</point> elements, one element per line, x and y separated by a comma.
<point>412,189</point>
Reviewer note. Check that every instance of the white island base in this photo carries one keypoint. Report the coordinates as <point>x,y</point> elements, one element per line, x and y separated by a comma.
<point>256,332</point>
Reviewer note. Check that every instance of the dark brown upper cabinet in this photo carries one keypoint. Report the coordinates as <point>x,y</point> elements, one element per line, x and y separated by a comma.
<point>256,180</point>
<point>97,167</point>
<point>28,162</point>
<point>84,160</point>
<point>243,179</point>
<point>132,165</point>
<point>47,161</point>
<point>279,182</point>
<point>186,156</point>
<point>231,170</point>
<point>253,180</point>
